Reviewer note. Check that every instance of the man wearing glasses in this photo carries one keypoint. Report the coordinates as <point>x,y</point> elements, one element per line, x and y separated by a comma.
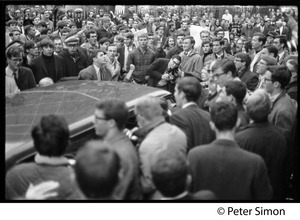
<point>284,109</point>
<point>262,65</point>
<point>17,77</point>
<point>242,63</point>
<point>111,116</point>
<point>75,61</point>
<point>163,73</point>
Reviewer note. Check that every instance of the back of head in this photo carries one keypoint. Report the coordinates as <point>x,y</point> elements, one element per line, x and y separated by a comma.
<point>226,65</point>
<point>258,106</point>
<point>115,109</point>
<point>191,88</point>
<point>272,49</point>
<point>169,172</point>
<point>51,136</point>
<point>244,58</point>
<point>270,61</point>
<point>280,74</point>
<point>224,115</point>
<point>237,89</point>
<point>149,107</point>
<point>97,169</point>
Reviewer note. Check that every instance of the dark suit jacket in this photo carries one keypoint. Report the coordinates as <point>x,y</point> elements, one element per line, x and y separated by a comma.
<point>39,69</point>
<point>164,38</point>
<point>229,171</point>
<point>283,114</point>
<point>25,79</point>
<point>267,141</point>
<point>249,78</point>
<point>121,58</point>
<point>195,124</point>
<point>156,70</point>
<point>266,30</point>
<point>89,73</point>
<point>101,32</point>
<point>173,51</point>
<point>285,31</point>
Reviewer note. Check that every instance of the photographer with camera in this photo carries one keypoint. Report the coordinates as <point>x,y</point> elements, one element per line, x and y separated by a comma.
<point>164,72</point>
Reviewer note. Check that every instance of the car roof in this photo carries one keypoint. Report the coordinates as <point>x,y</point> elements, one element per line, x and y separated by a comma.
<point>74,100</point>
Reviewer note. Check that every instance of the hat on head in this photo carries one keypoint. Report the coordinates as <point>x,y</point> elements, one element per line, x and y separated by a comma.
<point>72,40</point>
<point>272,34</point>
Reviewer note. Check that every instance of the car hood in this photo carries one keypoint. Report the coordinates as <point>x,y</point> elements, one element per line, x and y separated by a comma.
<point>74,100</point>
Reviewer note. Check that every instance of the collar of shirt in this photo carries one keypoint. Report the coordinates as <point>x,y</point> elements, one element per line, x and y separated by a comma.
<point>55,161</point>
<point>280,54</point>
<point>9,72</point>
<point>220,56</point>
<point>97,71</point>
<point>185,193</point>
<point>188,53</point>
<point>188,104</point>
<point>274,97</point>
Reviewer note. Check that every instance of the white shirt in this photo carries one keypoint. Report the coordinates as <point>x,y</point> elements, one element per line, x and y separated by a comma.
<point>10,83</point>
<point>126,53</point>
<point>188,104</point>
<point>97,72</point>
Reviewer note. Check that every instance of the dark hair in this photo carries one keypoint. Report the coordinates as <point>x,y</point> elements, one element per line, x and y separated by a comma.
<point>114,109</point>
<point>89,32</point>
<point>11,22</point>
<point>45,42</point>
<point>237,89</point>
<point>42,24</point>
<point>258,106</point>
<point>280,74</point>
<point>272,49</point>
<point>45,31</point>
<point>282,40</point>
<point>226,65</point>
<point>176,56</point>
<point>97,168</point>
<point>95,52</point>
<point>191,39</point>
<point>169,173</point>
<point>191,88</point>
<point>206,42</point>
<point>261,37</point>
<point>51,136</point>
<point>14,51</point>
<point>245,57</point>
<point>61,24</point>
<point>27,28</point>
<point>224,115</point>
<point>103,40</point>
<point>129,35</point>
<point>28,45</point>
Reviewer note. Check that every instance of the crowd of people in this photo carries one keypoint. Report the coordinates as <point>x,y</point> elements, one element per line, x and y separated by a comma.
<point>231,136</point>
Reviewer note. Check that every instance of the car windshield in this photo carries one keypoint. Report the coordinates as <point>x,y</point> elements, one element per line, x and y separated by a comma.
<point>74,100</point>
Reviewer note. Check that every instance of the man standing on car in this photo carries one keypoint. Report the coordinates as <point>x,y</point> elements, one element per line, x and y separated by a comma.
<point>141,58</point>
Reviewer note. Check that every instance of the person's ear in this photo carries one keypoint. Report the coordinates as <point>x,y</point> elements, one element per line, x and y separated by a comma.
<point>229,74</point>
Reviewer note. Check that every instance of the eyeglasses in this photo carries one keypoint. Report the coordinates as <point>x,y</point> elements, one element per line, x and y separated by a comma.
<point>177,64</point>
<point>217,75</point>
<point>101,118</point>
<point>17,60</point>
<point>266,79</point>
<point>237,60</point>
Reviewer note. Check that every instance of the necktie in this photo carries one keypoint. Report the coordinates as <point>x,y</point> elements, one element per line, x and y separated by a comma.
<point>16,78</point>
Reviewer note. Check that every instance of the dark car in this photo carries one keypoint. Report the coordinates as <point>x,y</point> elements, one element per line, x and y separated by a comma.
<point>75,101</point>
